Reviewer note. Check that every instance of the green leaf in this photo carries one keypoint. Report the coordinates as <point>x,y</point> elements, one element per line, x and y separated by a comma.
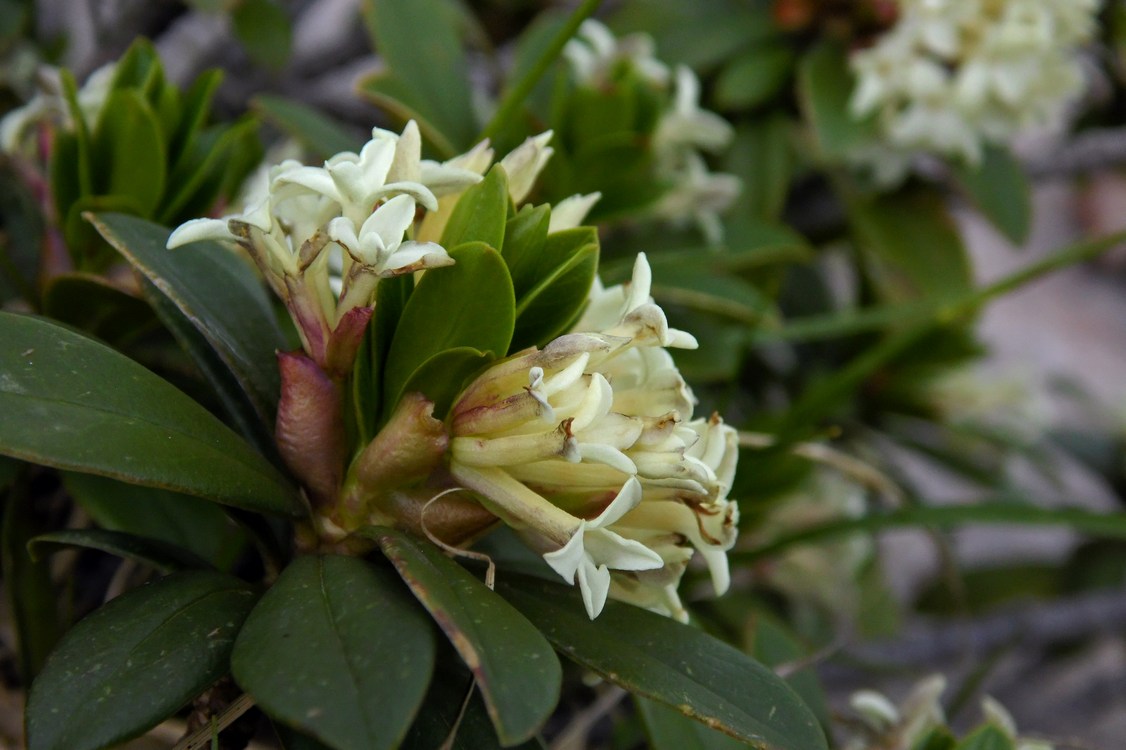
<point>321,135</point>
<point>391,297</point>
<point>763,158</point>
<point>548,309</point>
<point>441,713</point>
<point>218,155</point>
<point>28,589</point>
<point>669,729</point>
<point>237,404</point>
<point>658,658</point>
<point>481,213</point>
<point>390,94</point>
<point>824,87</point>
<point>218,293</point>
<point>524,238</point>
<point>264,29</point>
<point>72,403</point>
<point>987,738</point>
<point>196,525</point>
<point>135,661</point>
<point>128,151</point>
<point>195,105</point>
<point>161,556</point>
<point>404,34</point>
<point>516,670</point>
<point>1000,189</point>
<point>338,650</point>
<point>469,304</point>
<point>910,245</point>
<point>756,76</point>
<point>442,377</point>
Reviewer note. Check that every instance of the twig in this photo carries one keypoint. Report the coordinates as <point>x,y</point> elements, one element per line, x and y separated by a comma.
<point>575,734</point>
<point>202,736</point>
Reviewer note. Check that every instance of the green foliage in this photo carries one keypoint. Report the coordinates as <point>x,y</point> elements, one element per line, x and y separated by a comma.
<point>1000,190</point>
<point>135,661</point>
<point>160,556</point>
<point>437,93</point>
<point>147,153</point>
<point>660,659</point>
<point>515,669</point>
<point>107,412</point>
<point>338,649</point>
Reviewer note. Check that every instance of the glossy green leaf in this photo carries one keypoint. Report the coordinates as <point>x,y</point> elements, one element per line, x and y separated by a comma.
<point>516,670</point>
<point>1000,189</point>
<point>196,525</point>
<point>661,659</point>
<point>128,151</point>
<point>549,308</point>
<point>28,588</point>
<point>987,738</point>
<point>468,304</point>
<point>339,650</point>
<point>135,661</point>
<point>756,76</point>
<point>73,403</point>
<point>218,293</point>
<point>367,373</point>
<point>405,33</point>
<point>161,556</point>
<point>195,105</point>
<point>217,156</point>
<point>524,238</point>
<point>318,133</point>
<point>669,729</point>
<point>442,377</point>
<point>910,246</point>
<point>824,87</point>
<point>441,711</point>
<point>264,29</point>
<point>481,213</point>
<point>237,405</point>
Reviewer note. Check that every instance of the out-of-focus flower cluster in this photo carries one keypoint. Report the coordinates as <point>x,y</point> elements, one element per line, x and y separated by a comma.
<point>589,450</point>
<point>890,727</point>
<point>953,75</point>
<point>684,131</point>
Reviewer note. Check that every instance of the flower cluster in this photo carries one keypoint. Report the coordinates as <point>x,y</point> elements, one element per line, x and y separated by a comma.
<point>324,236</point>
<point>952,75</point>
<point>588,449</point>
<point>49,104</point>
<point>683,130</point>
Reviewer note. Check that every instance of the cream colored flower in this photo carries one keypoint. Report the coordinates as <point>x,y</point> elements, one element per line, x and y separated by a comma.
<point>952,75</point>
<point>588,449</point>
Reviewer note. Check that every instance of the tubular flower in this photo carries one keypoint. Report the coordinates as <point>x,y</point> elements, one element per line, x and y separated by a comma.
<point>952,75</point>
<point>354,214</point>
<point>587,449</point>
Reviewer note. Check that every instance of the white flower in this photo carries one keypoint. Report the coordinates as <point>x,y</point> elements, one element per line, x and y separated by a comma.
<point>687,125</point>
<point>570,212</point>
<point>588,450</point>
<point>697,194</point>
<point>951,76</point>
<point>49,104</point>
<point>524,164</point>
<point>323,237</point>
<point>594,52</point>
